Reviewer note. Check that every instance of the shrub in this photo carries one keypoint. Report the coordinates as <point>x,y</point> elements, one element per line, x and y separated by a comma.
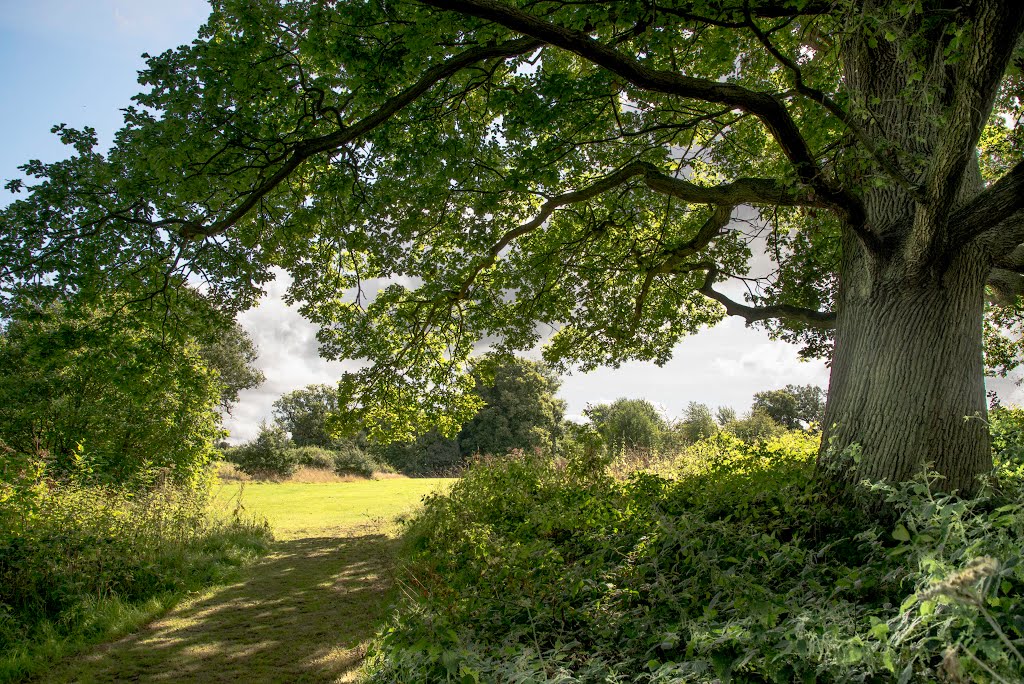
<point>100,387</point>
<point>724,473</point>
<point>269,455</point>
<point>742,569</point>
<point>756,425</point>
<point>1006,428</point>
<point>430,454</point>
<point>70,553</point>
<point>349,459</point>
<point>311,457</point>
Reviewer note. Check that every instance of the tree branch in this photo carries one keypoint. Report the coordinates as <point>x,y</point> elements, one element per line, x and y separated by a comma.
<point>824,320</point>
<point>766,106</point>
<point>889,165</point>
<point>726,197</point>
<point>763,10</point>
<point>758,191</point>
<point>304,150</point>
<point>986,215</point>
<point>997,26</point>
<point>711,229</point>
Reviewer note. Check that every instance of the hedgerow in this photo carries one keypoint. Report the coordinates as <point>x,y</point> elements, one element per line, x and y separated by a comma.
<point>743,568</point>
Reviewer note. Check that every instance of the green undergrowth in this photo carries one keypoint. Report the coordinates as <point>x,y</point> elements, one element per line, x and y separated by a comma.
<point>81,564</point>
<point>742,568</point>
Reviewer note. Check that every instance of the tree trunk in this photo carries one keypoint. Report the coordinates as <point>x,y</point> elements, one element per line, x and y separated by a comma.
<point>907,381</point>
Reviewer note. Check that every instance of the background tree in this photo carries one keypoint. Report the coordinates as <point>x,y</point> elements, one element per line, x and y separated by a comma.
<point>627,424</point>
<point>810,402</point>
<point>307,415</point>
<point>520,410</point>
<point>725,415</point>
<point>779,405</point>
<point>107,396</point>
<point>577,166</point>
<point>269,454</point>
<point>697,423</point>
<point>233,355</point>
<point>792,406</point>
<point>754,426</point>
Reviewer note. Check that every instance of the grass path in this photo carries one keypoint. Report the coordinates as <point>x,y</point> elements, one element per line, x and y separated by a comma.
<point>304,613</point>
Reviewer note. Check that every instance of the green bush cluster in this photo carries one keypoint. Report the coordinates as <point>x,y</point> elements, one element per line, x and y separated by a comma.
<point>349,459</point>
<point>268,455</point>
<point>273,455</point>
<point>311,457</point>
<point>68,552</point>
<point>1006,429</point>
<point>743,568</point>
<point>429,455</point>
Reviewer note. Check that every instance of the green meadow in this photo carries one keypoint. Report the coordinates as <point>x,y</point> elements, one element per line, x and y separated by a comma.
<point>297,509</point>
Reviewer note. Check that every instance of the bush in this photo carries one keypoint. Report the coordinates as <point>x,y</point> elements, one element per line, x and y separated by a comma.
<point>311,457</point>
<point>743,569</point>
<point>756,425</point>
<point>268,456</point>
<point>430,455</point>
<point>99,388</point>
<point>1006,428</point>
<point>349,459</point>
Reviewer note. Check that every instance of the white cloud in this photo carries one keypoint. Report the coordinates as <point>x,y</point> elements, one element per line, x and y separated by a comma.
<point>288,357</point>
<point>724,365</point>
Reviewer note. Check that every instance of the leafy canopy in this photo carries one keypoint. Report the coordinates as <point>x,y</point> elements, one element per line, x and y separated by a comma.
<point>498,172</point>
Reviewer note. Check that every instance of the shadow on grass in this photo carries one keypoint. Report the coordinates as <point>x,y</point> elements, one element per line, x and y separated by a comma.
<point>303,614</point>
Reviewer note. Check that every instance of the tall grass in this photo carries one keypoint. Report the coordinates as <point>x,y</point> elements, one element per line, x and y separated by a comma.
<point>82,563</point>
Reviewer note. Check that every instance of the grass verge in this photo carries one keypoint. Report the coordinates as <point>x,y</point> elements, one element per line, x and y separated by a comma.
<point>85,564</point>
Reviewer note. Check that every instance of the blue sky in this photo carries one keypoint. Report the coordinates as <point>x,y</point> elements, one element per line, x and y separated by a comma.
<point>75,62</point>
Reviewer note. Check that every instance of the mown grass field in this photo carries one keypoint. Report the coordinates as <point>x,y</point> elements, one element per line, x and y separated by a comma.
<point>304,613</point>
<point>297,510</point>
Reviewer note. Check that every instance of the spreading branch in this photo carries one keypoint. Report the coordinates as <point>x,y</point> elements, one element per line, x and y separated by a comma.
<point>990,215</point>
<point>756,191</point>
<point>997,27</point>
<point>767,107</point>
<point>674,259</point>
<point>823,320</point>
<point>888,164</point>
<point>308,148</point>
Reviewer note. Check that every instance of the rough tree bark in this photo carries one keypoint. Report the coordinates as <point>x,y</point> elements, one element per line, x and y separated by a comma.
<point>907,381</point>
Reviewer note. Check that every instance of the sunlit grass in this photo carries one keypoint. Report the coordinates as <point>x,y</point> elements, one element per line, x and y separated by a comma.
<point>297,510</point>
<point>305,613</point>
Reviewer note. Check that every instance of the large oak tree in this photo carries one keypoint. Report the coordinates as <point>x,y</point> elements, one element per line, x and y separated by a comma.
<point>511,168</point>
